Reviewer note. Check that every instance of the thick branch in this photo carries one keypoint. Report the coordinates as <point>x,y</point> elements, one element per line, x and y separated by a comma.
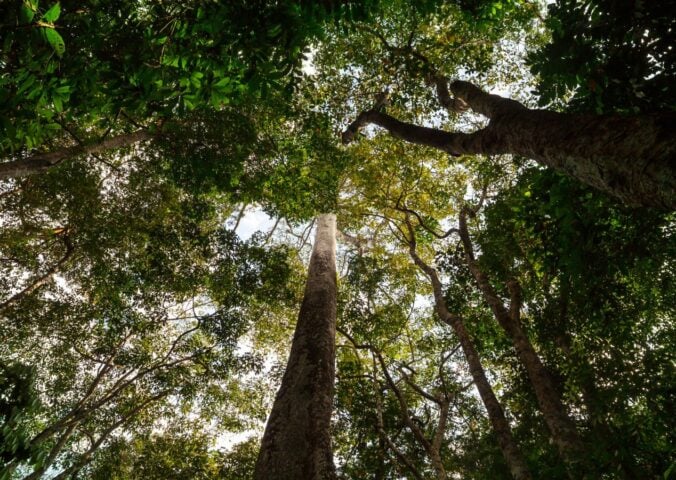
<point>53,453</point>
<point>508,446</point>
<point>453,143</point>
<point>482,102</point>
<point>562,429</point>
<point>628,157</point>
<point>514,299</point>
<point>43,161</point>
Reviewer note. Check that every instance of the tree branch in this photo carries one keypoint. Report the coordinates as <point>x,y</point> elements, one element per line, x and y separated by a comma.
<point>454,143</point>
<point>43,161</point>
<point>42,279</point>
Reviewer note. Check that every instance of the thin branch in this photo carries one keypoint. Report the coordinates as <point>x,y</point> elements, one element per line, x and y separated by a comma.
<point>268,236</point>
<point>240,215</point>
<point>42,279</point>
<point>440,236</point>
<point>380,426</point>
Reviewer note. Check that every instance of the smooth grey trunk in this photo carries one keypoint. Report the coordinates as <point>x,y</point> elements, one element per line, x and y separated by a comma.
<point>632,158</point>
<point>41,162</point>
<point>503,433</point>
<point>297,442</point>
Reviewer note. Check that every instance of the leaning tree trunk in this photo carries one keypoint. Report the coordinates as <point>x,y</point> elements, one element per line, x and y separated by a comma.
<point>561,427</point>
<point>632,158</point>
<point>297,443</point>
<point>503,432</point>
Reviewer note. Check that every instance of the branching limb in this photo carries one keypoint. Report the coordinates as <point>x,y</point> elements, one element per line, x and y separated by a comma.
<point>454,143</point>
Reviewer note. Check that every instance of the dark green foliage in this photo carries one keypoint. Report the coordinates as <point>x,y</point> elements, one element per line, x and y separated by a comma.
<point>18,401</point>
<point>89,62</point>
<point>598,284</point>
<point>301,176</point>
<point>244,273</point>
<point>615,55</point>
<point>207,151</point>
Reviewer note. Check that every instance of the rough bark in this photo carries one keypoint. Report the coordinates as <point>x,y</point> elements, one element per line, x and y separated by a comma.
<point>632,158</point>
<point>297,443</point>
<point>43,161</point>
<point>508,446</point>
<point>561,427</point>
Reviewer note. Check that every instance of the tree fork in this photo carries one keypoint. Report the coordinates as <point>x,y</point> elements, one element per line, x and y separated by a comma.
<point>508,446</point>
<point>632,158</point>
<point>297,442</point>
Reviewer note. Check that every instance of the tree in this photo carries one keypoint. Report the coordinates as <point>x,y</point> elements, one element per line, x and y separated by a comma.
<point>583,264</point>
<point>628,157</point>
<point>153,333</point>
<point>297,442</point>
<point>508,446</point>
<point>605,149</point>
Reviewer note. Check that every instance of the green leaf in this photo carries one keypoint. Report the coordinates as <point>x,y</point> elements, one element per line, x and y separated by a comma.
<point>53,13</point>
<point>58,104</point>
<point>55,40</point>
<point>26,14</point>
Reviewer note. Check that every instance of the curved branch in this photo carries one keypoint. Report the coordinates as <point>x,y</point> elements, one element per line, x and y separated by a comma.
<point>454,143</point>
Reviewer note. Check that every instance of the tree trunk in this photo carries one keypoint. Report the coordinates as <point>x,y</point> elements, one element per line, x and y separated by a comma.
<point>43,161</point>
<point>632,158</point>
<point>561,427</point>
<point>510,450</point>
<point>297,443</point>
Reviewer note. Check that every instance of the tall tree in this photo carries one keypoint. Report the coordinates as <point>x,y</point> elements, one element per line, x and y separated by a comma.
<point>297,441</point>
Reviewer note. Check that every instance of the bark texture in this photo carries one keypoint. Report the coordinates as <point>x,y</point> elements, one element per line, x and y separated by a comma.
<point>508,446</point>
<point>43,161</point>
<point>632,158</point>
<point>561,427</point>
<point>297,443</point>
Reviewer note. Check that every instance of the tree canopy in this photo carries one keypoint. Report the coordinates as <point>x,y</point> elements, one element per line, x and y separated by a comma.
<point>499,301</point>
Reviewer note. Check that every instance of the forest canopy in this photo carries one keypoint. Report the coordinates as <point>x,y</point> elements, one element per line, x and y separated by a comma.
<point>337,239</point>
